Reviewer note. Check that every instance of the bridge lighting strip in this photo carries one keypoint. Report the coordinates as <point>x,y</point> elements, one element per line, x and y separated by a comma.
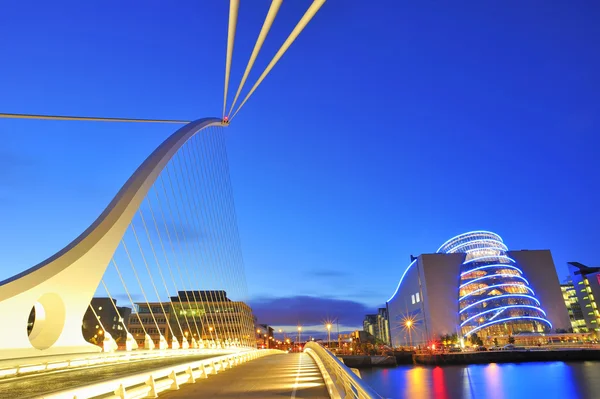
<point>480,240</point>
<point>488,257</point>
<point>491,276</point>
<point>508,319</point>
<point>502,308</point>
<point>494,286</point>
<point>402,278</point>
<point>498,297</point>
<point>465,235</point>
<point>505,265</point>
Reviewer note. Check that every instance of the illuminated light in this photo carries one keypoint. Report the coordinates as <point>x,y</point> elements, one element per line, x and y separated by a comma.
<point>508,319</point>
<point>490,257</point>
<point>402,278</point>
<point>32,368</point>
<point>498,297</point>
<point>501,309</point>
<point>499,265</point>
<point>7,372</point>
<point>464,235</point>
<point>492,276</point>
<point>469,243</point>
<point>468,251</point>
<point>495,286</point>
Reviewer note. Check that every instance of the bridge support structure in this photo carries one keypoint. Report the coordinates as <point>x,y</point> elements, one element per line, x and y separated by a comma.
<point>60,288</point>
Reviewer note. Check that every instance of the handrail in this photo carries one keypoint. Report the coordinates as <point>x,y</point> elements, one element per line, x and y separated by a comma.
<point>151,382</point>
<point>341,381</point>
<point>55,362</point>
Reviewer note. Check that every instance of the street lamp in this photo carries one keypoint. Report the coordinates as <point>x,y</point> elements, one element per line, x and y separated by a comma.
<point>409,325</point>
<point>299,336</point>
<point>328,334</point>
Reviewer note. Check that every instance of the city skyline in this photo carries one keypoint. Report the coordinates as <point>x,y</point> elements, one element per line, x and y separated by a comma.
<point>330,206</point>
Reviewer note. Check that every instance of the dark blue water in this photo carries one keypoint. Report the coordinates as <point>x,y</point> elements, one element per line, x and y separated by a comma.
<point>495,381</point>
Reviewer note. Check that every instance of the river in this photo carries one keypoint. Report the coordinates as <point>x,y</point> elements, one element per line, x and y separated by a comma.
<point>492,381</point>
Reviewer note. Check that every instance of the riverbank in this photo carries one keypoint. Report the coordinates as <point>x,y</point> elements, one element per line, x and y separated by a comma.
<point>564,355</point>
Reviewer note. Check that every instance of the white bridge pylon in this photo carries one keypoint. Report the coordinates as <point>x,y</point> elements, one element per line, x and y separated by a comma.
<point>61,287</point>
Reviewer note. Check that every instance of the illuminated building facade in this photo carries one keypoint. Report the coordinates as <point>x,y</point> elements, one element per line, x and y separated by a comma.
<point>586,283</point>
<point>578,323</point>
<point>205,316</point>
<point>377,325</point>
<point>474,285</point>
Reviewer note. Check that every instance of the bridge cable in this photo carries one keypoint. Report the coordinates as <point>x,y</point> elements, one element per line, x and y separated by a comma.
<point>217,177</point>
<point>207,180</point>
<point>89,118</point>
<point>128,295</point>
<point>204,220</point>
<point>271,14</point>
<point>180,246</point>
<point>233,15</point>
<point>150,274</point>
<point>212,158</point>
<point>310,13</point>
<point>183,337</point>
<point>191,201</point>
<point>196,257</point>
<point>121,319</point>
<point>141,288</point>
<point>235,237</point>
<point>177,265</point>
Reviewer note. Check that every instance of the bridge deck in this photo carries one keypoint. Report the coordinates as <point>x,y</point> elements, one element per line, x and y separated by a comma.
<point>35,385</point>
<point>293,376</point>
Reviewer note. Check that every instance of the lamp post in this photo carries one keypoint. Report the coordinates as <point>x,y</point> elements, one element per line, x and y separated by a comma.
<point>409,325</point>
<point>299,336</point>
<point>328,334</point>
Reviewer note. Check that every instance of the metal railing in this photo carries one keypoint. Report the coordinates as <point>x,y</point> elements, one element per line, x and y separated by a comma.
<point>20,367</point>
<point>341,381</point>
<point>151,382</point>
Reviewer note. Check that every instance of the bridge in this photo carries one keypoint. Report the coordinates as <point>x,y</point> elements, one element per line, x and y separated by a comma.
<point>168,246</point>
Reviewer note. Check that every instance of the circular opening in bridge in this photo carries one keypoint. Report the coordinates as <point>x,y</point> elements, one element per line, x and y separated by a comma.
<point>46,321</point>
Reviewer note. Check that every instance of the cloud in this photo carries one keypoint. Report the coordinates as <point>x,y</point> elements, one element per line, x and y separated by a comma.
<point>308,310</point>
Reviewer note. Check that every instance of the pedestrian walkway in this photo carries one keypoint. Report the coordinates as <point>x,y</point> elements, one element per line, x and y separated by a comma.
<point>285,376</point>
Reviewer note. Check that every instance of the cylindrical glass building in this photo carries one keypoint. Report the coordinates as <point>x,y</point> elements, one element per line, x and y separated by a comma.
<point>494,297</point>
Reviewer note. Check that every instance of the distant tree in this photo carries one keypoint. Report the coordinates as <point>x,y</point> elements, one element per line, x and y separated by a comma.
<point>454,338</point>
<point>511,339</point>
<point>474,339</point>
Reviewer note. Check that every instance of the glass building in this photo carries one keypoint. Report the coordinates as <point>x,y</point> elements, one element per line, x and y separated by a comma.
<point>494,297</point>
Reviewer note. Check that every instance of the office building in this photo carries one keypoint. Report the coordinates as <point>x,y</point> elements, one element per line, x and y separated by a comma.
<point>207,317</point>
<point>578,323</point>
<point>586,283</point>
<point>111,319</point>
<point>377,325</point>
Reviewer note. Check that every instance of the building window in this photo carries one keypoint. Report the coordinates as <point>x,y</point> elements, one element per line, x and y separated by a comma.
<point>413,299</point>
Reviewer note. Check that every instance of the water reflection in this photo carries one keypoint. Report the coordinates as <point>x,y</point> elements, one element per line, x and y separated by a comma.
<point>494,381</point>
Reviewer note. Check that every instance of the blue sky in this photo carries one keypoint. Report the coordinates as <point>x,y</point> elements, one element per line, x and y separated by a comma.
<point>387,128</point>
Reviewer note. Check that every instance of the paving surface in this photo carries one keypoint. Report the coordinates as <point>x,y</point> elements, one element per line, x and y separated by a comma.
<point>35,385</point>
<point>289,376</point>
